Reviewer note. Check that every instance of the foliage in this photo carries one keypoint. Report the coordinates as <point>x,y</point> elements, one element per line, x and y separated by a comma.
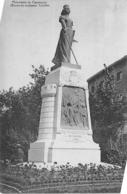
<point>28,174</point>
<point>106,108</point>
<point>19,116</point>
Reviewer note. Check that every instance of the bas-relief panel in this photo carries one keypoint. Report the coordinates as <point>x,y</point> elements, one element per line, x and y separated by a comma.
<point>74,110</point>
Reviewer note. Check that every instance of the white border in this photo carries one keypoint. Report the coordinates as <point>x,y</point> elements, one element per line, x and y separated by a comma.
<point>124,185</point>
<point>1,7</point>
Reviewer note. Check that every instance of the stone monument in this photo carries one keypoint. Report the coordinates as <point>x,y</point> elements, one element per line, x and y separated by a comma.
<point>64,129</point>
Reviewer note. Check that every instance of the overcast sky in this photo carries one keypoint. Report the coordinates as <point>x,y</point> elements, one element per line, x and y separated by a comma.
<point>29,35</point>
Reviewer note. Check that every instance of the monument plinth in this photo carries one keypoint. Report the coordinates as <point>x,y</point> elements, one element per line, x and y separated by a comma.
<point>64,134</point>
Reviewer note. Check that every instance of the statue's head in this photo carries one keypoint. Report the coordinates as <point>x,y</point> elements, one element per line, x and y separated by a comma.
<point>66,10</point>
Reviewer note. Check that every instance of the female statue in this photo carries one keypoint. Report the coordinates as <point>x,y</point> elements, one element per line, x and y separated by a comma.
<point>66,38</point>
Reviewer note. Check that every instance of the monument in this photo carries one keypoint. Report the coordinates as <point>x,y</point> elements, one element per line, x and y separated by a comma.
<point>64,133</point>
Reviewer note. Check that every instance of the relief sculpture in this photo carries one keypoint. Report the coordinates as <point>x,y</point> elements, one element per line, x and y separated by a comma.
<point>74,109</point>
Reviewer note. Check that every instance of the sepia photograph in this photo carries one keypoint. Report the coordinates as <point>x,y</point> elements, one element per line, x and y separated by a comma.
<point>63,96</point>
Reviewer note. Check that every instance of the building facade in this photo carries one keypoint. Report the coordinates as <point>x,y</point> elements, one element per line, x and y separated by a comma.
<point>118,70</point>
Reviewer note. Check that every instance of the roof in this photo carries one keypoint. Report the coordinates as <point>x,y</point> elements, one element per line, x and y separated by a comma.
<point>112,65</point>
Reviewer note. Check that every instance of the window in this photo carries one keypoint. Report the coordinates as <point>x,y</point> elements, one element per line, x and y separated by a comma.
<point>119,76</point>
<point>101,83</point>
<point>92,89</point>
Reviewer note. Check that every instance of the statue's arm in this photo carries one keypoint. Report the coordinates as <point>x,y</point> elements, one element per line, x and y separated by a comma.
<point>62,21</point>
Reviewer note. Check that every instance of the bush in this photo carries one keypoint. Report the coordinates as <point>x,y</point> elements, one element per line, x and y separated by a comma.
<point>28,174</point>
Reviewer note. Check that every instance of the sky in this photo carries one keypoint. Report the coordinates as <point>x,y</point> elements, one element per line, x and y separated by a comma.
<point>29,36</point>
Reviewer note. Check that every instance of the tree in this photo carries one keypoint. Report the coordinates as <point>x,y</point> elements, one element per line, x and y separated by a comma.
<point>19,115</point>
<point>106,108</point>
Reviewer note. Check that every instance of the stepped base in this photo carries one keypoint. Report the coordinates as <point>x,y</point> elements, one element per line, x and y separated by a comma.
<point>63,151</point>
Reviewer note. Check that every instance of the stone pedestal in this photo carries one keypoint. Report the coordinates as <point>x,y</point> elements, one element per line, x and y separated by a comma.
<point>64,130</point>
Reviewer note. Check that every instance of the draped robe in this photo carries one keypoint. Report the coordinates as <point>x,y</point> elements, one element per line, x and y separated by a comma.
<point>63,50</point>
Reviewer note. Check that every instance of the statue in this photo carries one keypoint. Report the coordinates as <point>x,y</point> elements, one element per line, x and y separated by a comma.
<point>63,49</point>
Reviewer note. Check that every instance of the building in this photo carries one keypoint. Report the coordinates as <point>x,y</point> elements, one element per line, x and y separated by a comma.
<point>118,70</point>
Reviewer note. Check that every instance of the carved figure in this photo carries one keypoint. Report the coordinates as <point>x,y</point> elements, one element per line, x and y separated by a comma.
<point>66,38</point>
<point>74,110</point>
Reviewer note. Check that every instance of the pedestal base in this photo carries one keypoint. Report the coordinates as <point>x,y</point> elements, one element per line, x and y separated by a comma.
<point>62,150</point>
